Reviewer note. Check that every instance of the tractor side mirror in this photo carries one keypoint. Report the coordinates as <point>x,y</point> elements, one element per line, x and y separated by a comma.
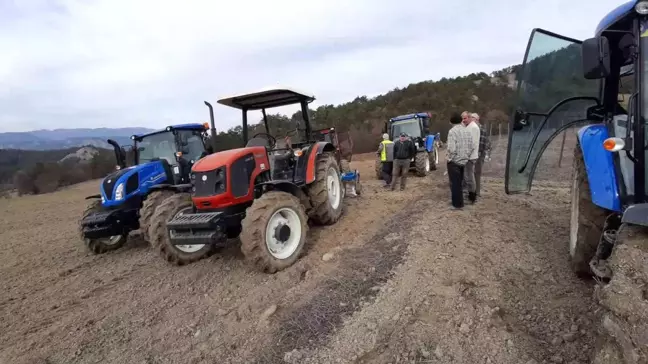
<point>596,58</point>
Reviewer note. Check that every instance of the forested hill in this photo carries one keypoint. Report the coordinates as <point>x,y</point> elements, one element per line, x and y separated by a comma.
<point>489,95</point>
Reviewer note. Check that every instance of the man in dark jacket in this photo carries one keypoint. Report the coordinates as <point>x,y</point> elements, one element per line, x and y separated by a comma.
<point>404,151</point>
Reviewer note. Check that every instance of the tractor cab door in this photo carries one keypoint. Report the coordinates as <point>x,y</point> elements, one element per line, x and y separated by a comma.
<point>552,97</point>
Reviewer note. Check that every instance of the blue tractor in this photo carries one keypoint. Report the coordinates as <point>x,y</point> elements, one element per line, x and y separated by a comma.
<point>162,162</point>
<point>416,126</point>
<point>566,84</point>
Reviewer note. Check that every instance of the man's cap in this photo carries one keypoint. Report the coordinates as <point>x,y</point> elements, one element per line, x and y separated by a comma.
<point>385,136</point>
<point>403,134</point>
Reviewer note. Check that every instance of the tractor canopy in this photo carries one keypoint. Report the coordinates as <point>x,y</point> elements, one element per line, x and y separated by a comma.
<point>267,99</point>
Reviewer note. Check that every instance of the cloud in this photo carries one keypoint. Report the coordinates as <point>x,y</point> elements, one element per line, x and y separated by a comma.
<point>115,63</point>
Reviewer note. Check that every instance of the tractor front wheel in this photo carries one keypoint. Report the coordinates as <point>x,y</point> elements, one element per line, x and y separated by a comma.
<point>153,200</point>
<point>274,231</point>
<point>422,164</point>
<point>174,205</point>
<point>325,192</point>
<point>587,219</point>
<point>101,245</point>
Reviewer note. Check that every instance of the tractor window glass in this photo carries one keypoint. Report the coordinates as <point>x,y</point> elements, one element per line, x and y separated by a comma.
<point>550,74</point>
<point>411,127</point>
<point>160,146</point>
<point>192,144</point>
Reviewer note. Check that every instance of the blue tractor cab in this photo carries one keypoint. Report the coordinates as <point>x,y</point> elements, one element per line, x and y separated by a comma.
<point>416,126</point>
<point>162,162</point>
<point>568,85</point>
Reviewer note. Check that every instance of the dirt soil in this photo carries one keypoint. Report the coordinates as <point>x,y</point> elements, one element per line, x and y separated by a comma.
<point>401,278</point>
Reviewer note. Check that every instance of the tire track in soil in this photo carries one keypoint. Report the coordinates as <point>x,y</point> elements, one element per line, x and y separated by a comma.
<point>355,283</point>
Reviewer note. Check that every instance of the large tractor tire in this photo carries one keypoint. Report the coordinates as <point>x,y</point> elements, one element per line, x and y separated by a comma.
<point>325,193</point>
<point>153,200</point>
<point>434,158</point>
<point>623,334</point>
<point>422,164</point>
<point>159,235</point>
<point>274,231</point>
<point>587,219</point>
<point>102,245</point>
<point>378,168</point>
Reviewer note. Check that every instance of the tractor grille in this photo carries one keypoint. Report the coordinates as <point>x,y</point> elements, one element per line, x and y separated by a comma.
<point>209,183</point>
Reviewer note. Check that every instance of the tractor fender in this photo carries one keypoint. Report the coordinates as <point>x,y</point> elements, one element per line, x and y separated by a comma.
<point>429,143</point>
<point>600,168</point>
<point>307,172</point>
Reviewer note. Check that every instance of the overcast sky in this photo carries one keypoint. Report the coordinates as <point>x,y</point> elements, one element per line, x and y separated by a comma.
<point>117,63</point>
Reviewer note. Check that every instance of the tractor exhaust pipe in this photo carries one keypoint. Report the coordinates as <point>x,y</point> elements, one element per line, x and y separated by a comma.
<point>213,124</point>
<point>119,153</point>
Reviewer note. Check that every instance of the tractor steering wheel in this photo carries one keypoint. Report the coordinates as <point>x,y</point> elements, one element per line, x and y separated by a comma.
<point>271,140</point>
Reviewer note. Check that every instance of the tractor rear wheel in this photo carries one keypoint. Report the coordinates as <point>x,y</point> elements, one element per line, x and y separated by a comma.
<point>622,334</point>
<point>159,235</point>
<point>153,200</point>
<point>325,193</point>
<point>274,231</point>
<point>587,219</point>
<point>422,164</point>
<point>101,245</point>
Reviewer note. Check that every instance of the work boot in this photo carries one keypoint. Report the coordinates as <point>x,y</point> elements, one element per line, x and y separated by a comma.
<point>472,197</point>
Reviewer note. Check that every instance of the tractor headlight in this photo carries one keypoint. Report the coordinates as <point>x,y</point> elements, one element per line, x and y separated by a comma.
<point>642,7</point>
<point>103,200</point>
<point>119,192</point>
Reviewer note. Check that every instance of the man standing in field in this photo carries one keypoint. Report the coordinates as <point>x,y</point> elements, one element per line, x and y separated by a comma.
<point>386,153</point>
<point>469,173</point>
<point>404,151</point>
<point>459,148</point>
<point>483,153</point>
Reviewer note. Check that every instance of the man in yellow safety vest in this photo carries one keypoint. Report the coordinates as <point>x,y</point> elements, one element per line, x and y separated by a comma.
<point>386,153</point>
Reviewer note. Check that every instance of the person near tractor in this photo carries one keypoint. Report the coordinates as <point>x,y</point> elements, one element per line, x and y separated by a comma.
<point>469,173</point>
<point>483,153</point>
<point>404,151</point>
<point>386,153</point>
<point>459,148</point>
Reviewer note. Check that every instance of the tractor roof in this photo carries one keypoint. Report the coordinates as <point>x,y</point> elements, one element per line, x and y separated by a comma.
<point>615,17</point>
<point>410,116</point>
<point>191,126</point>
<point>267,98</point>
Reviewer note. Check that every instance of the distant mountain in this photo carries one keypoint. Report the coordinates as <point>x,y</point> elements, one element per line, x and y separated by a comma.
<point>67,138</point>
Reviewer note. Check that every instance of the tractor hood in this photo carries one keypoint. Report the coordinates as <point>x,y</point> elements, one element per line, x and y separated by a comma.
<point>124,184</point>
<point>225,158</point>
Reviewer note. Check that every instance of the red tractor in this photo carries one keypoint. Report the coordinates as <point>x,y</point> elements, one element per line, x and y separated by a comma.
<point>262,193</point>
